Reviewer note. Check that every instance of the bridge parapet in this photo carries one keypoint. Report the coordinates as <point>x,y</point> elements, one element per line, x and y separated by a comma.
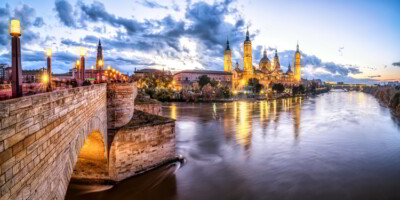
<point>41,136</point>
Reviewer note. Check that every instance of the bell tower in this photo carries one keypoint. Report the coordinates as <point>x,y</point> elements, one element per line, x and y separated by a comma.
<point>248,55</point>
<point>297,72</point>
<point>227,58</point>
<point>99,58</point>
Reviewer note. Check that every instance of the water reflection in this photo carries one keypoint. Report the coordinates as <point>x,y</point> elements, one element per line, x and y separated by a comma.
<point>339,145</point>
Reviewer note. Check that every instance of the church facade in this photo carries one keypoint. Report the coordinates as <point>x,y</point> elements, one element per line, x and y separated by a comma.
<point>268,72</point>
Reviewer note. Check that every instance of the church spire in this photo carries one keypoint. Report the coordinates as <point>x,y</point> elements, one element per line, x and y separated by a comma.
<point>227,45</point>
<point>276,52</point>
<point>247,34</point>
<point>297,47</point>
<point>99,42</point>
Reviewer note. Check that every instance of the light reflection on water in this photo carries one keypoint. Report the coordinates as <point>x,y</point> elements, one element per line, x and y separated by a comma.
<point>339,145</point>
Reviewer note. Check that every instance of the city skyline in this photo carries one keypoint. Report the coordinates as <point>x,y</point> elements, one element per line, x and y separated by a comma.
<point>357,46</point>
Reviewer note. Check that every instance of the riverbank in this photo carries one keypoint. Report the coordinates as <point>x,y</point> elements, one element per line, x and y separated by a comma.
<point>388,96</point>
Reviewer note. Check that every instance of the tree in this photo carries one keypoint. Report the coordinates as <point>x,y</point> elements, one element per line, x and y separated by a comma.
<point>255,85</point>
<point>203,80</point>
<point>278,87</point>
<point>196,87</point>
<point>208,92</point>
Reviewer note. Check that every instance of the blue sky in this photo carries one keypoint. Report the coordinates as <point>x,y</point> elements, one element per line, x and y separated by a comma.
<point>352,41</point>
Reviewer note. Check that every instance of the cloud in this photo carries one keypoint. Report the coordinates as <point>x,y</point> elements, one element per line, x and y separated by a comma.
<point>38,22</point>
<point>396,64</point>
<point>375,76</point>
<point>27,16</point>
<point>151,4</point>
<point>96,12</point>
<point>65,13</point>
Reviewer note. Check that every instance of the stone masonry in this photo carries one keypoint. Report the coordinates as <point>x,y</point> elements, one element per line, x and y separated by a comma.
<point>41,137</point>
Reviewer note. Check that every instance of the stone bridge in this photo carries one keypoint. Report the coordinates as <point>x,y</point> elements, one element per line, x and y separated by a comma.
<point>48,138</point>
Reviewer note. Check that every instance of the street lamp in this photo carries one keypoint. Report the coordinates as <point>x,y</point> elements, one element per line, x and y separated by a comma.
<point>82,53</point>
<point>14,29</point>
<point>78,66</point>
<point>49,69</point>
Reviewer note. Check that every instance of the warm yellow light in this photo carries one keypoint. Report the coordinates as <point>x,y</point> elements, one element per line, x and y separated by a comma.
<point>113,70</point>
<point>82,51</point>
<point>173,82</point>
<point>78,63</point>
<point>45,78</point>
<point>49,52</point>
<point>92,67</point>
<point>15,28</point>
<point>242,82</point>
<point>235,92</point>
<point>100,62</point>
<point>109,67</point>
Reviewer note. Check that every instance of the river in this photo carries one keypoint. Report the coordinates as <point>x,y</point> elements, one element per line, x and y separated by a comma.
<point>338,145</point>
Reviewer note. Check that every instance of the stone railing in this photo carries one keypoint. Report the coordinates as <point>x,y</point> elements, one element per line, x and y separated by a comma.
<point>40,139</point>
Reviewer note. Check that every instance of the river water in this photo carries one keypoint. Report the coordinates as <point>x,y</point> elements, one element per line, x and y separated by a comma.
<point>338,145</point>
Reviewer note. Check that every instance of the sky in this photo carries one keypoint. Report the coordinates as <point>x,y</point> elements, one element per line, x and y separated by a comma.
<point>355,41</point>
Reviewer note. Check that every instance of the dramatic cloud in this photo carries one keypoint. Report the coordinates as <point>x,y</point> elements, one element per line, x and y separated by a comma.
<point>65,13</point>
<point>38,22</point>
<point>151,4</point>
<point>27,16</point>
<point>396,64</point>
<point>96,12</point>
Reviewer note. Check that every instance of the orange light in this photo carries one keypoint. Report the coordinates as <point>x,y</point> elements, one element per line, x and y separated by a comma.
<point>49,52</point>
<point>78,63</point>
<point>45,78</point>
<point>82,51</point>
<point>113,70</point>
<point>100,62</point>
<point>15,28</point>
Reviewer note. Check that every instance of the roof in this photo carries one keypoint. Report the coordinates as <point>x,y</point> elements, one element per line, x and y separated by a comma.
<point>148,71</point>
<point>204,72</point>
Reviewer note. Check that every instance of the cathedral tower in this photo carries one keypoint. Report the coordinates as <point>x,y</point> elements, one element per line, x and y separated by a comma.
<point>227,58</point>
<point>248,55</point>
<point>99,58</point>
<point>277,63</point>
<point>297,71</point>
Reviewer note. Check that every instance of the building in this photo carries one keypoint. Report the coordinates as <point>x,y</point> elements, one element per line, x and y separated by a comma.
<point>268,72</point>
<point>28,76</point>
<point>99,58</point>
<point>186,78</point>
<point>150,72</point>
<point>4,72</point>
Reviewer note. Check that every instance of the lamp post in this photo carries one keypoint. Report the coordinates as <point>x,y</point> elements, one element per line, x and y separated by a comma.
<point>15,31</point>
<point>92,71</point>
<point>82,52</point>
<point>78,71</point>
<point>49,72</point>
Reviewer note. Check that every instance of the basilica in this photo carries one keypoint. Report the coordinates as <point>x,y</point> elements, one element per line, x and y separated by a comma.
<point>268,72</point>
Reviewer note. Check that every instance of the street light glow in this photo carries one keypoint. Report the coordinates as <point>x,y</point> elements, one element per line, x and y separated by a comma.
<point>49,52</point>
<point>82,51</point>
<point>15,28</point>
<point>45,78</point>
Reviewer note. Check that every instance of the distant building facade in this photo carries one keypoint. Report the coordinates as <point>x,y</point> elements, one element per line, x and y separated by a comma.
<point>186,78</point>
<point>149,72</point>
